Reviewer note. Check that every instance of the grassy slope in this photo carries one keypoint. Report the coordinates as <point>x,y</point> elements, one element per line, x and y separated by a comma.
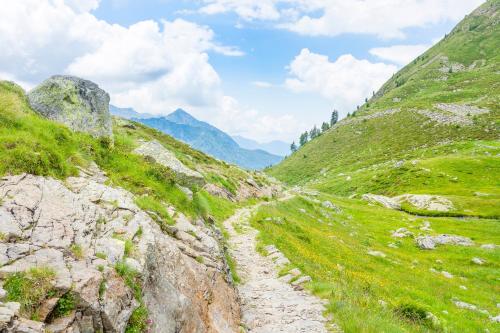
<point>332,248</point>
<point>30,143</point>
<point>355,144</point>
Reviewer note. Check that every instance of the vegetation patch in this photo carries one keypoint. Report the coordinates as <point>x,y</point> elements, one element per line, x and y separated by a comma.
<point>30,288</point>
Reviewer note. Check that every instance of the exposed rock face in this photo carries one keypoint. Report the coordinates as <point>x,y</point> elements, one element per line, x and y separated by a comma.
<point>77,103</point>
<point>453,114</point>
<point>183,276</point>
<point>430,242</point>
<point>163,156</point>
<point>426,202</point>
<point>381,200</point>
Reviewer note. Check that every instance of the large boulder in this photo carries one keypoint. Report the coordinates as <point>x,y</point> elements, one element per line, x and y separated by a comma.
<point>75,102</point>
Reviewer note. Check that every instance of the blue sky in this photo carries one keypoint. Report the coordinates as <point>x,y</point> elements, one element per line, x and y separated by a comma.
<point>266,69</point>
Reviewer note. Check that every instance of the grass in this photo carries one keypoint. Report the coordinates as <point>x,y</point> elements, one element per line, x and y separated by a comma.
<point>30,289</point>
<point>65,305</point>
<point>77,251</point>
<point>333,249</point>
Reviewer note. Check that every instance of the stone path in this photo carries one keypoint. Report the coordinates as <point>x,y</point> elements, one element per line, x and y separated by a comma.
<point>269,304</point>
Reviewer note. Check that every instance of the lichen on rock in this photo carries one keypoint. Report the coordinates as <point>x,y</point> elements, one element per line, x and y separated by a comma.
<point>80,104</point>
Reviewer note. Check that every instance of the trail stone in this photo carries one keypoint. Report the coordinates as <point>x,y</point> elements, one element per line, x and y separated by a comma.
<point>163,156</point>
<point>269,303</point>
<point>301,280</point>
<point>75,102</point>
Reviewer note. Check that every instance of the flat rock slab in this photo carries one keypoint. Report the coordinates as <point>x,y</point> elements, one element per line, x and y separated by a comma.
<point>163,156</point>
<point>269,303</point>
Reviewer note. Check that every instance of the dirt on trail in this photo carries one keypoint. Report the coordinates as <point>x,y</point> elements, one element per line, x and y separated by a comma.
<point>269,304</point>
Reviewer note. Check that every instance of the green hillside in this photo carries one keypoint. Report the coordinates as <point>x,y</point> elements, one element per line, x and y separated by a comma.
<point>460,74</point>
<point>433,131</point>
<point>32,144</point>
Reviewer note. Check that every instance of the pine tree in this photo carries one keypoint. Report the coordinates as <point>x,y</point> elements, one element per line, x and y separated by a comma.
<point>334,118</point>
<point>293,147</point>
<point>325,127</point>
<point>314,133</point>
<point>304,137</point>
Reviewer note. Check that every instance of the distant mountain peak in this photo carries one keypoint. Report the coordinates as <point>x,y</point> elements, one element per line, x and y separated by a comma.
<point>180,116</point>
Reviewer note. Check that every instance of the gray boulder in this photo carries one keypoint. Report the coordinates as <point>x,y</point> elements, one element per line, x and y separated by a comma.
<point>75,102</point>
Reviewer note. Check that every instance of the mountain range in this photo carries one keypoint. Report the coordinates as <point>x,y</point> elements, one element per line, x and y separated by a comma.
<point>202,136</point>
<point>275,147</point>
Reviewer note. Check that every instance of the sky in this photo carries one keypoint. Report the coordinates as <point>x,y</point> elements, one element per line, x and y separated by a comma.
<point>265,70</point>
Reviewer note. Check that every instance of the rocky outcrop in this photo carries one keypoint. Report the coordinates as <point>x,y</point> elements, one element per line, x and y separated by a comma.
<point>381,200</point>
<point>454,114</point>
<point>79,229</point>
<point>428,202</point>
<point>430,242</point>
<point>157,152</point>
<point>77,103</point>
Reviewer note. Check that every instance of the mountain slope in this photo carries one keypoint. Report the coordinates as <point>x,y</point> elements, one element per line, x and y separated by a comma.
<point>209,139</point>
<point>275,147</point>
<point>110,227</point>
<point>436,106</point>
<point>398,224</point>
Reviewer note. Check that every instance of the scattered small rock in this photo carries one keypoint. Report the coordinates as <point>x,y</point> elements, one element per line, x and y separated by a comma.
<point>478,261</point>
<point>379,254</point>
<point>402,233</point>
<point>447,275</point>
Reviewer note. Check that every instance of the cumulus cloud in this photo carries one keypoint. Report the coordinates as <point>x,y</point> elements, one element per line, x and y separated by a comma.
<point>399,54</point>
<point>238,119</point>
<point>152,66</point>
<point>262,84</point>
<point>386,19</point>
<point>346,81</point>
<point>246,9</point>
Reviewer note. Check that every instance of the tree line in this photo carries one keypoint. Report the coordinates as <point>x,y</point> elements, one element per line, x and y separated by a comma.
<point>315,131</point>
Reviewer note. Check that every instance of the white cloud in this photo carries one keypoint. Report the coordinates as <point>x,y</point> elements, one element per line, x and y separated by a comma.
<point>262,84</point>
<point>246,9</point>
<point>152,66</point>
<point>237,119</point>
<point>399,54</point>
<point>383,18</point>
<point>346,82</point>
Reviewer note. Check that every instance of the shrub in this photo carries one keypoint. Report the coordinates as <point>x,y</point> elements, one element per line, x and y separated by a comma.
<point>412,313</point>
<point>65,305</point>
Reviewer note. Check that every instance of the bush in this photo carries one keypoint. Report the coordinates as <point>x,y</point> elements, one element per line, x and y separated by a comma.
<point>65,305</point>
<point>412,313</point>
